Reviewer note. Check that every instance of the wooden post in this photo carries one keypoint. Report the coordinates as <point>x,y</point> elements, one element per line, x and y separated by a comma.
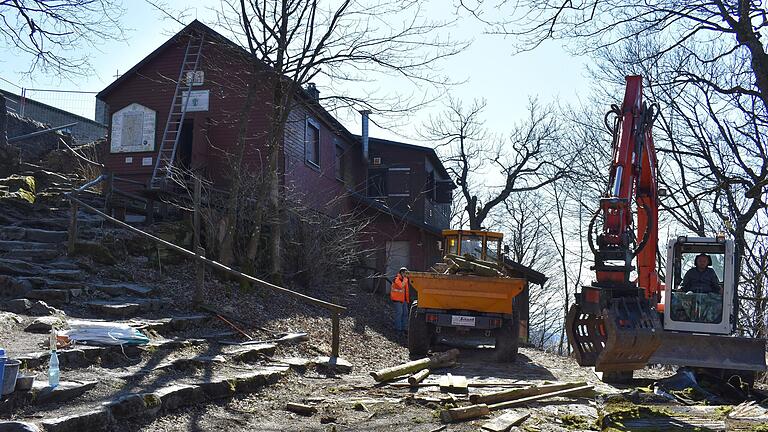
<point>108,193</point>
<point>72,228</point>
<point>150,211</point>
<point>335,338</point>
<point>196,214</point>
<point>197,298</point>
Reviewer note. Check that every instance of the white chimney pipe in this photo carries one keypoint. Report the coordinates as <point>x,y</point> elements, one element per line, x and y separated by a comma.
<point>365,114</point>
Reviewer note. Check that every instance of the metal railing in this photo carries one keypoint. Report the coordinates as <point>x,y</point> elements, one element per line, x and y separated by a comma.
<point>197,257</point>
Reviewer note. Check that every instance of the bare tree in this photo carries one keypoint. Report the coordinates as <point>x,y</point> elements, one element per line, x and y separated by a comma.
<point>50,31</point>
<point>525,160</point>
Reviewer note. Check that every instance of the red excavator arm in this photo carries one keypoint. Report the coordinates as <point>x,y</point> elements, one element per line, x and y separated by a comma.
<point>612,326</point>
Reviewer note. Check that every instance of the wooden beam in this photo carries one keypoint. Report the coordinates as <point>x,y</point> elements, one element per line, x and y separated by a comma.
<point>504,422</point>
<point>523,401</point>
<point>506,395</point>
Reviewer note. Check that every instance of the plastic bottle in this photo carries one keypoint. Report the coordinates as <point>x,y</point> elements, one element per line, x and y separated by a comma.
<point>53,364</point>
<point>3,359</point>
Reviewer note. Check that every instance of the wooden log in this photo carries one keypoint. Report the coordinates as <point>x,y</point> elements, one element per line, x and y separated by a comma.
<point>305,410</point>
<point>507,395</point>
<point>412,367</point>
<point>470,384</point>
<point>523,401</point>
<point>504,422</point>
<point>418,377</point>
<point>464,413</point>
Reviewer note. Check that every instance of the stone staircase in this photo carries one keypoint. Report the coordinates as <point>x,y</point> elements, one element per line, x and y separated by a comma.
<point>40,286</point>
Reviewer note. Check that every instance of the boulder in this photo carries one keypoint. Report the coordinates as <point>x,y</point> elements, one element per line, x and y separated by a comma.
<point>41,308</point>
<point>44,324</point>
<point>14,426</point>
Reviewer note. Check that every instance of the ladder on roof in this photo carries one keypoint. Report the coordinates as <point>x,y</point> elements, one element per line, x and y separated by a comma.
<point>170,139</point>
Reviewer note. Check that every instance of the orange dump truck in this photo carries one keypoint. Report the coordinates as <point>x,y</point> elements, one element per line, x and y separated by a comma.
<point>471,291</point>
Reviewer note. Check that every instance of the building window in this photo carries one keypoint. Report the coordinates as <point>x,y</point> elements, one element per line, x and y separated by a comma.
<point>340,167</point>
<point>312,143</point>
<point>377,182</point>
<point>399,182</point>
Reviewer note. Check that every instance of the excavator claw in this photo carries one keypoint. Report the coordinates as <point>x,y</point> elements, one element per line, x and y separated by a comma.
<point>622,339</point>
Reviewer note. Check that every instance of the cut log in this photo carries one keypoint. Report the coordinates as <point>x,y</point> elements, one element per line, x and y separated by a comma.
<point>454,384</point>
<point>507,395</point>
<point>435,361</point>
<point>302,409</point>
<point>523,401</point>
<point>470,384</point>
<point>464,413</point>
<point>418,377</point>
<point>504,422</point>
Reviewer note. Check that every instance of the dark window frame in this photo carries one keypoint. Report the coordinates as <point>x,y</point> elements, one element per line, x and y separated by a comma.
<point>311,123</point>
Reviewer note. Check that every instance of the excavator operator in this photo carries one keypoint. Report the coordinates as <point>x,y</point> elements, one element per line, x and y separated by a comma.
<point>700,298</point>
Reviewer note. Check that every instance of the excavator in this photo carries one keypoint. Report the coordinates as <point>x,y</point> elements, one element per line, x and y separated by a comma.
<point>628,317</point>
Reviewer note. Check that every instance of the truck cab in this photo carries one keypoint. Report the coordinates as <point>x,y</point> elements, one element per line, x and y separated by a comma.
<point>483,245</point>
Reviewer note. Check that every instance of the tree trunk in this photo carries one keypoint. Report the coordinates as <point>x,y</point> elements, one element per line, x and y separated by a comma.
<point>228,226</point>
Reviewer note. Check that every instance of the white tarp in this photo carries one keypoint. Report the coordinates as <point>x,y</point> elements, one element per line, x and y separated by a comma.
<point>104,333</point>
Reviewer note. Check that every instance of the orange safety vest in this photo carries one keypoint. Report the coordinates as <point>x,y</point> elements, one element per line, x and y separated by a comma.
<point>399,291</point>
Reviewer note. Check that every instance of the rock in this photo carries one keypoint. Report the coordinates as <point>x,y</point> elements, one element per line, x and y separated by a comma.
<point>297,363</point>
<point>44,324</point>
<point>132,405</point>
<point>91,421</point>
<point>65,391</point>
<point>18,306</point>
<point>13,426</point>
<point>218,389</point>
<point>95,251</point>
<point>332,364</point>
<point>179,395</point>
<point>250,353</point>
<point>50,295</point>
<point>14,287</point>
<point>41,308</point>
<point>70,275</point>
<point>16,267</point>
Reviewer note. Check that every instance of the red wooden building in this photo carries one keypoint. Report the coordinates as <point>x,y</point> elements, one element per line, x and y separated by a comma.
<point>403,188</point>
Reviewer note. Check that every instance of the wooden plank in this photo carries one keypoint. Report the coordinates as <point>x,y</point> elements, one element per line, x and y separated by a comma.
<point>504,422</point>
<point>523,401</point>
<point>454,384</point>
<point>506,395</point>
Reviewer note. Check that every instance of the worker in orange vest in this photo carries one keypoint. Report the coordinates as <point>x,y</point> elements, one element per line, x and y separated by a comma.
<point>401,298</point>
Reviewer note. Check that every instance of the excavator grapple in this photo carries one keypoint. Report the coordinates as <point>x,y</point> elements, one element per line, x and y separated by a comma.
<point>623,338</point>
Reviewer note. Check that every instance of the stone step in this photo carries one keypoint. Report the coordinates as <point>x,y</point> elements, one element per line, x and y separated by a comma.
<point>126,307</point>
<point>65,274</point>
<point>32,234</point>
<point>176,323</point>
<point>85,356</point>
<point>164,399</point>
<point>54,296</point>
<point>122,289</point>
<point>43,283</point>
<point>19,245</point>
<point>9,266</point>
<point>37,256</point>
<point>41,393</point>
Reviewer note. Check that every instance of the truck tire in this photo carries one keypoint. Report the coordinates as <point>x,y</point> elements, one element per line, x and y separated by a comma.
<point>507,338</point>
<point>419,332</point>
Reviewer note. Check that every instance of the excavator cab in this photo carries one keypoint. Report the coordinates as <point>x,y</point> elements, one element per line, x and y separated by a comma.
<point>483,245</point>
<point>691,305</point>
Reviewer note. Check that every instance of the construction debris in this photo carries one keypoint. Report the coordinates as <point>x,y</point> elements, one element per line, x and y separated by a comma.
<point>435,361</point>
<point>481,409</point>
<point>471,265</point>
<point>505,422</point>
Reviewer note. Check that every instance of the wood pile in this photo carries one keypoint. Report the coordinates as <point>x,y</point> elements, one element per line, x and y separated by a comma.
<point>467,264</point>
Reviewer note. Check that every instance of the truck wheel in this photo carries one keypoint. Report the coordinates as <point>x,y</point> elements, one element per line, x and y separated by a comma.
<point>507,338</point>
<point>419,333</point>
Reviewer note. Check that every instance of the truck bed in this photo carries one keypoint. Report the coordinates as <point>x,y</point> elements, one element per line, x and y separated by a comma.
<point>466,292</point>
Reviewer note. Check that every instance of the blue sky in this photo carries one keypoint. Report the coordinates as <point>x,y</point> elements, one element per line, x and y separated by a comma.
<point>490,69</point>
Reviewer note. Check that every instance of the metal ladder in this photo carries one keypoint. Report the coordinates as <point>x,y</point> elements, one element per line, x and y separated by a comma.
<point>170,140</point>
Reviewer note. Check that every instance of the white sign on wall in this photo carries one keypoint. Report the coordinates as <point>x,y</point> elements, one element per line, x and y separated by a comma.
<point>133,129</point>
<point>198,100</point>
